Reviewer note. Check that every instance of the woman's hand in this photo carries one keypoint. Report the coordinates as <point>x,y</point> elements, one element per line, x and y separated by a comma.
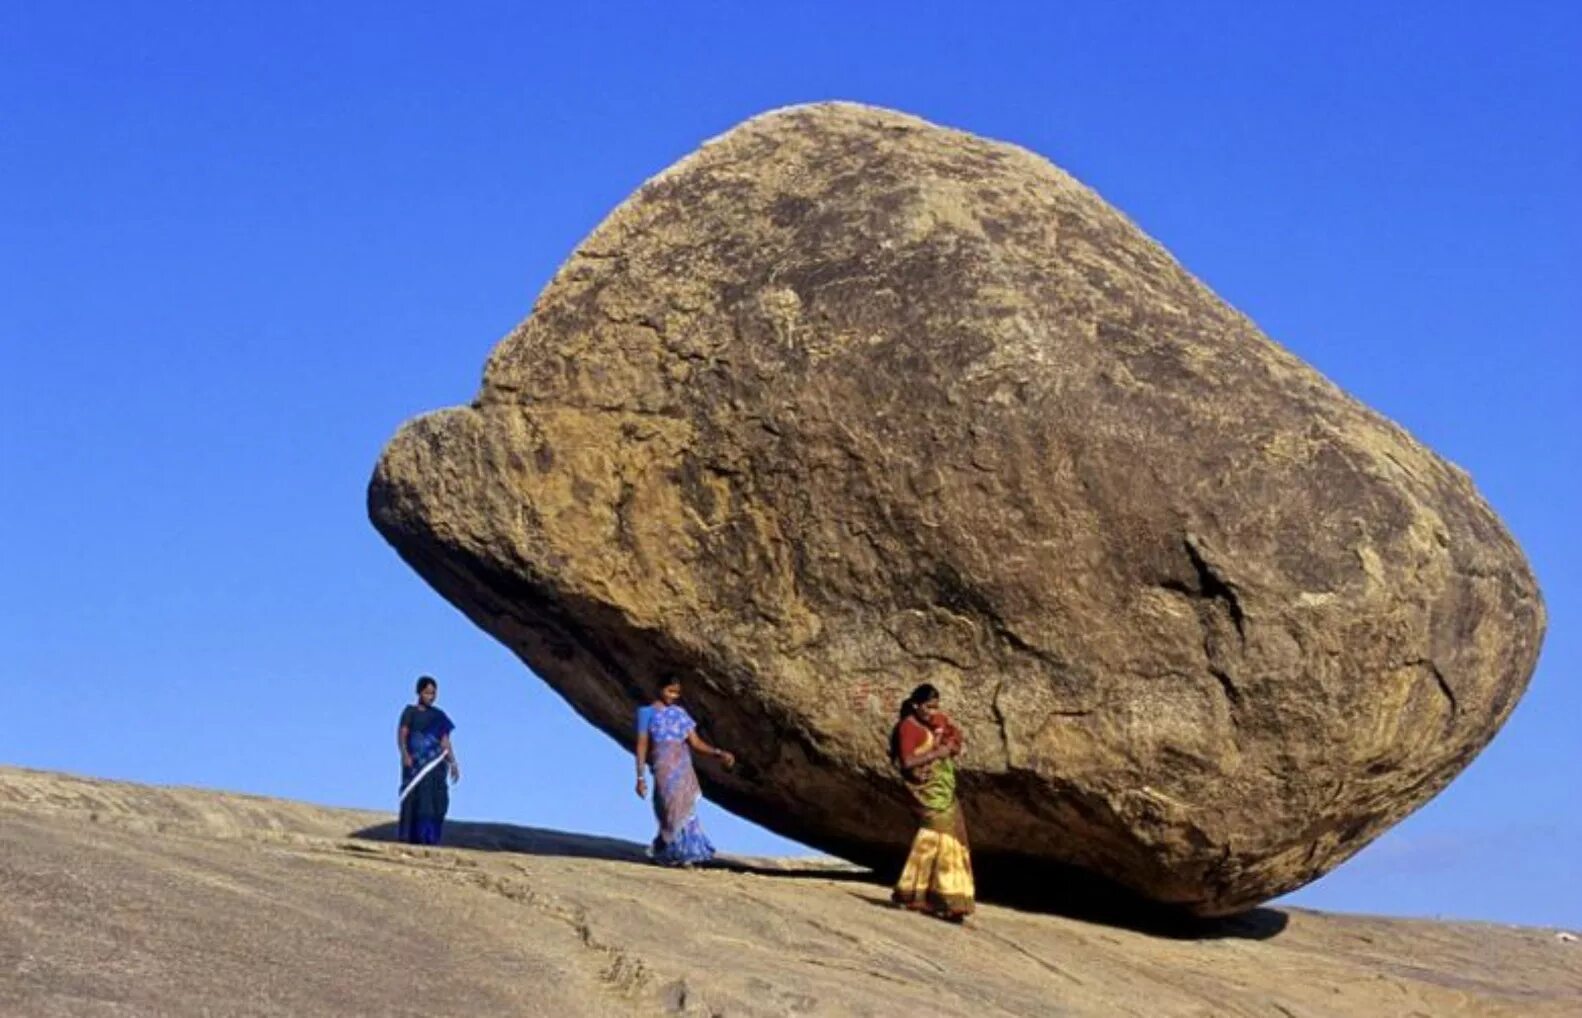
<point>642,787</point>
<point>455,771</point>
<point>406,760</point>
<point>726,757</point>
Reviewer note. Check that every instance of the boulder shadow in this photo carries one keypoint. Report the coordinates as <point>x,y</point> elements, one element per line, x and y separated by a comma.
<point>1155,922</point>
<point>1075,893</point>
<point>1254,924</point>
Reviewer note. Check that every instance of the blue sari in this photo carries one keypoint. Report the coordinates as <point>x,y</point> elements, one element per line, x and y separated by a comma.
<point>425,796</point>
<point>680,841</point>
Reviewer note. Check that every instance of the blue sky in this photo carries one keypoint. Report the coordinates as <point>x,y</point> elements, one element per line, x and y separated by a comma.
<point>240,243</point>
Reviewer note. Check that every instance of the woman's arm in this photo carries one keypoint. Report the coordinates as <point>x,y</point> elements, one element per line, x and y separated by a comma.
<point>928,756</point>
<point>703,747</point>
<point>642,755</point>
<point>401,734</point>
<point>455,768</point>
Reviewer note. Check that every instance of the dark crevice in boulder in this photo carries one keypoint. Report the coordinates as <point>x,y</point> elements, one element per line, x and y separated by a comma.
<point>1211,584</point>
<point>1443,685</point>
<point>1227,684</point>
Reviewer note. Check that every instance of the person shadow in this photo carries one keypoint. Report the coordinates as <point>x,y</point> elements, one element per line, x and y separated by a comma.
<point>513,838</point>
<point>493,837</point>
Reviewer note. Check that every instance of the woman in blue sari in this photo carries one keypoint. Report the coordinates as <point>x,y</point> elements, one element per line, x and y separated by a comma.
<point>423,736</point>
<point>666,737</point>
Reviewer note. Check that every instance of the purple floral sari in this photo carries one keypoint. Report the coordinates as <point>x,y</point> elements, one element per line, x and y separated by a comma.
<point>680,841</point>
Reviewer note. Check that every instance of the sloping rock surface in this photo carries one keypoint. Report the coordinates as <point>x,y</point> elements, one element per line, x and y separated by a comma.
<point>133,901</point>
<point>844,402</point>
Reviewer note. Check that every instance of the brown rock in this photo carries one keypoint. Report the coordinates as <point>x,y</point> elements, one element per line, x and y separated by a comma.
<point>845,401</point>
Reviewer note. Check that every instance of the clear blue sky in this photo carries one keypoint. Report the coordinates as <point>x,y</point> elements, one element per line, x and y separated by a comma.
<point>240,243</point>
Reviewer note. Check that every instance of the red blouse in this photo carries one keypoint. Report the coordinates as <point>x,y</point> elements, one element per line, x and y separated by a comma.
<point>915,737</point>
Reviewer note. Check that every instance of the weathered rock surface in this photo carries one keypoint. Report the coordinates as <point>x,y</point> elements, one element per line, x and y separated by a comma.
<point>122,899</point>
<point>844,402</point>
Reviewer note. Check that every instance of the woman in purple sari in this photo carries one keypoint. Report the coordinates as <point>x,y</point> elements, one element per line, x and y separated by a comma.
<point>666,737</point>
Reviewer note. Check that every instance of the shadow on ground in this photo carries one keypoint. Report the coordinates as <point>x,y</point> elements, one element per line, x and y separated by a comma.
<point>1062,891</point>
<point>1078,894</point>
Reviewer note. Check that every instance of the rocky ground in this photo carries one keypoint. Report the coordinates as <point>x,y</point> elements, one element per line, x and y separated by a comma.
<point>119,899</point>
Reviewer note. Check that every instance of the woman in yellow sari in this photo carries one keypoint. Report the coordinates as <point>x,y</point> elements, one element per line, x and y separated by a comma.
<point>938,874</point>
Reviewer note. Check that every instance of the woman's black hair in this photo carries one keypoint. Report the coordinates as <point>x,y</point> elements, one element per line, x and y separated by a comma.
<point>425,681</point>
<point>919,696</point>
<point>666,680</point>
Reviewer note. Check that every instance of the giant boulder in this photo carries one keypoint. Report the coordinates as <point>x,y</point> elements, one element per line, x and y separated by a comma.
<point>844,402</point>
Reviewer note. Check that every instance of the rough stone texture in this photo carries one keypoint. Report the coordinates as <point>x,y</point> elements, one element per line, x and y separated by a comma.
<point>845,401</point>
<point>173,903</point>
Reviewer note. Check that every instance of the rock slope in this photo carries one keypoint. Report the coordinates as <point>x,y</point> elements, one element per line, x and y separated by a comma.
<point>126,900</point>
